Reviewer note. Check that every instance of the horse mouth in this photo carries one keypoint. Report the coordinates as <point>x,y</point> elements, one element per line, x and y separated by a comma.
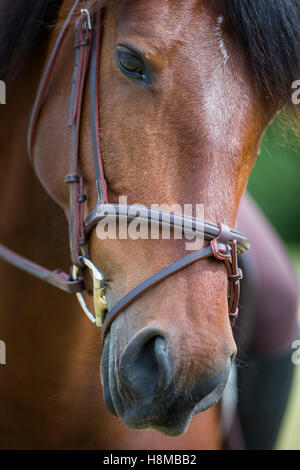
<point>171,422</point>
<point>170,412</point>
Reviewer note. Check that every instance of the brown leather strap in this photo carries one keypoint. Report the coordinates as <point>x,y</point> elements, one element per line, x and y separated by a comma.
<point>101,186</point>
<point>152,282</point>
<point>219,250</point>
<point>74,179</point>
<point>56,278</point>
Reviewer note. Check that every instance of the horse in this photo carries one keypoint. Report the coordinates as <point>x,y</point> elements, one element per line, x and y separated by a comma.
<point>186,91</point>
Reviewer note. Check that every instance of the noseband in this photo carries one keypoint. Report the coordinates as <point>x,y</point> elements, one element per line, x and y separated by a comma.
<point>224,243</point>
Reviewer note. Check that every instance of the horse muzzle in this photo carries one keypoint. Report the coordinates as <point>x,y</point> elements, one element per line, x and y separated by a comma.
<point>142,387</point>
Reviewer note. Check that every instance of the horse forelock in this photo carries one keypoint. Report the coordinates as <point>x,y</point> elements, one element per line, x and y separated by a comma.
<point>270,34</point>
<point>21,24</point>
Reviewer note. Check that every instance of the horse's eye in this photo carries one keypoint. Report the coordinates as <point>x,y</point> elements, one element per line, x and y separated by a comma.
<point>130,63</point>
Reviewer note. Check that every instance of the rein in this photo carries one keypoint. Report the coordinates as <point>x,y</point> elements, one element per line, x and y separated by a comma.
<point>224,243</point>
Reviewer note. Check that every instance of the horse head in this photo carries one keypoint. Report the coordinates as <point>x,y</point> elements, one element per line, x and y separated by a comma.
<point>181,120</point>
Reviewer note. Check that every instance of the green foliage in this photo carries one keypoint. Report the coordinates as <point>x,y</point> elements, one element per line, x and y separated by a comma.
<point>274,182</point>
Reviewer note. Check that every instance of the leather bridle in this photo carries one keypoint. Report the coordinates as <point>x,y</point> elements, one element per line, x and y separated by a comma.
<point>224,243</point>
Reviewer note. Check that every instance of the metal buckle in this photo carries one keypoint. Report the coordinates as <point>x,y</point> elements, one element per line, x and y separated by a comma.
<point>100,305</point>
<point>87,23</point>
<point>221,251</point>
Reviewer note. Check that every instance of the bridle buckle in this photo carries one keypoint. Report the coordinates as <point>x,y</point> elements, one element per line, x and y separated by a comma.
<point>221,251</point>
<point>100,305</point>
<point>87,23</point>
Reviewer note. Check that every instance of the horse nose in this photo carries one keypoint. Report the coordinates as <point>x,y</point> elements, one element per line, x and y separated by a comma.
<point>146,367</point>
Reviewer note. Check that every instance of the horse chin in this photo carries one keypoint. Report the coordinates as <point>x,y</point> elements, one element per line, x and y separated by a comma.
<point>211,399</point>
<point>170,415</point>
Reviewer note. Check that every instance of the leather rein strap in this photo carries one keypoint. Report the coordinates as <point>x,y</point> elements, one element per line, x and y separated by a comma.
<point>224,243</point>
<point>56,278</point>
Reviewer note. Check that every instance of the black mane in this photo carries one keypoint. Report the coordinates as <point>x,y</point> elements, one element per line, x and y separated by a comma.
<point>21,22</point>
<point>270,33</point>
<point>268,29</point>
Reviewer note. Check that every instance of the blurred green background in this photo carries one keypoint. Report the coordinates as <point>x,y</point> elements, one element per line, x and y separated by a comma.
<point>275,185</point>
<point>274,182</point>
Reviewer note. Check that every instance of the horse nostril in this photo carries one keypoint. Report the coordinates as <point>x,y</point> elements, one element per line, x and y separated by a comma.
<point>145,364</point>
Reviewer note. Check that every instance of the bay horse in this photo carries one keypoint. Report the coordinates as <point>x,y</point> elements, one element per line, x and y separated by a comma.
<point>186,91</point>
